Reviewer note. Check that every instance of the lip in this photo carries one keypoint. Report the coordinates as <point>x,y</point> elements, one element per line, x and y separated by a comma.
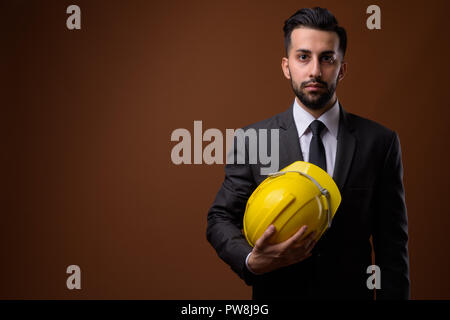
<point>316,85</point>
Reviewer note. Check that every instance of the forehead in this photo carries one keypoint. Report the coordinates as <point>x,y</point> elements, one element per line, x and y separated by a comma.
<point>314,40</point>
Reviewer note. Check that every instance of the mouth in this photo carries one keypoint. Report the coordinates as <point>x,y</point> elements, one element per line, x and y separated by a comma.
<point>314,87</point>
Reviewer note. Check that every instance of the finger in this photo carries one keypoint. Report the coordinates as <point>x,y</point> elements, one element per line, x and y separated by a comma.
<point>309,240</point>
<point>297,236</point>
<point>310,245</point>
<point>263,240</point>
<point>310,237</point>
<point>304,255</point>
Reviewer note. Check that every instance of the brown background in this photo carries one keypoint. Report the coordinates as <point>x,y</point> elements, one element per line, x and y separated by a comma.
<point>87,117</point>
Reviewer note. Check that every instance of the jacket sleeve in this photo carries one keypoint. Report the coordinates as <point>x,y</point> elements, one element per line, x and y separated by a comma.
<point>390,234</point>
<point>225,217</point>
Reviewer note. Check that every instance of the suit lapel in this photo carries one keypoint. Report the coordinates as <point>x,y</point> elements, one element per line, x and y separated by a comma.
<point>346,145</point>
<point>290,150</point>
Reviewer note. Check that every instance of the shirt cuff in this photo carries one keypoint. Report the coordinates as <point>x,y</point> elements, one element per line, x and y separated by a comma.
<point>246,264</point>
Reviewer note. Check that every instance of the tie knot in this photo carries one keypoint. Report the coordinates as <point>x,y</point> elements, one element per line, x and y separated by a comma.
<point>316,127</point>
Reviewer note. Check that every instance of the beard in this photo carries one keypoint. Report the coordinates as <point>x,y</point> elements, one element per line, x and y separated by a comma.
<point>314,100</point>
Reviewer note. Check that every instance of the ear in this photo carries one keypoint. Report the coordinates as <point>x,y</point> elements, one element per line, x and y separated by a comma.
<point>285,67</point>
<point>342,71</point>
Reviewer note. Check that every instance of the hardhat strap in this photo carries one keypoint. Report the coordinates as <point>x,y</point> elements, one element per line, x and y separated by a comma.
<point>322,190</point>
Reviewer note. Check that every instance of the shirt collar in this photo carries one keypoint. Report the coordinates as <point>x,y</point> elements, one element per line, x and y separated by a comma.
<point>330,119</point>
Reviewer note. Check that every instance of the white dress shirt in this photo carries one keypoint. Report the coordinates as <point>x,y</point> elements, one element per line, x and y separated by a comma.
<point>303,119</point>
<point>330,119</point>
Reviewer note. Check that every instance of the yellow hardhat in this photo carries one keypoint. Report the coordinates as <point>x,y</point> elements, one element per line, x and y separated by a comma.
<point>300,194</point>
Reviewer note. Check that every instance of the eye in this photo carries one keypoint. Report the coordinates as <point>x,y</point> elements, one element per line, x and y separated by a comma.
<point>328,59</point>
<point>303,57</point>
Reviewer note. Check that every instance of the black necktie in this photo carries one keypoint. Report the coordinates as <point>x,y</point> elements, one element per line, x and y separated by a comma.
<point>316,148</point>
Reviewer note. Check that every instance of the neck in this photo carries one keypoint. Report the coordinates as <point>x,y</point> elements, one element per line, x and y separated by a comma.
<point>317,113</point>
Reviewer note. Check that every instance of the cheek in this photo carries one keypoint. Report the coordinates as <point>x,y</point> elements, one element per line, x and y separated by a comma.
<point>331,75</point>
<point>298,75</point>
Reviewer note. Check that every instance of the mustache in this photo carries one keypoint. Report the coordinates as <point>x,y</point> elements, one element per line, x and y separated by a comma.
<point>306,83</point>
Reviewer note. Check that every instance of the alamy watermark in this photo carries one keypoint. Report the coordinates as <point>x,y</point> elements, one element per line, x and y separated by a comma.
<point>374,280</point>
<point>73,22</point>
<point>74,280</point>
<point>249,146</point>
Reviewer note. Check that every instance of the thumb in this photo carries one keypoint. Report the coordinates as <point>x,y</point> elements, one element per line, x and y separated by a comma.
<point>264,239</point>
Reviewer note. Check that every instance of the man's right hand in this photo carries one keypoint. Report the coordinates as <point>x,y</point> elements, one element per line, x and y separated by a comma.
<point>266,257</point>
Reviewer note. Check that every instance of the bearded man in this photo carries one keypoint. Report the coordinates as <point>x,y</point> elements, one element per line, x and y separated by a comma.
<point>364,159</point>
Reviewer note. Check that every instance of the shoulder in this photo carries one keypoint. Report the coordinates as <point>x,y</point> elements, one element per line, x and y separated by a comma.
<point>282,119</point>
<point>368,127</point>
<point>372,133</point>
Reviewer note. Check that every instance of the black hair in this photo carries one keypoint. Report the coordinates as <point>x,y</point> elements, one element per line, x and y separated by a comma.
<point>314,18</point>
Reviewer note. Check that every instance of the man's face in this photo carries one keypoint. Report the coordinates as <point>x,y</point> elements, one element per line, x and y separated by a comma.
<point>314,65</point>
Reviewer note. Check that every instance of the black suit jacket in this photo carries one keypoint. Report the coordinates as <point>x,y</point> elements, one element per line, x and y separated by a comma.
<point>368,171</point>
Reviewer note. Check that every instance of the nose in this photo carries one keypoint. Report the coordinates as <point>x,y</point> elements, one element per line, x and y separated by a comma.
<point>315,71</point>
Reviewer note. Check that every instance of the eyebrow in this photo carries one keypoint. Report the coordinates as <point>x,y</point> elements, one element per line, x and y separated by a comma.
<point>322,53</point>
